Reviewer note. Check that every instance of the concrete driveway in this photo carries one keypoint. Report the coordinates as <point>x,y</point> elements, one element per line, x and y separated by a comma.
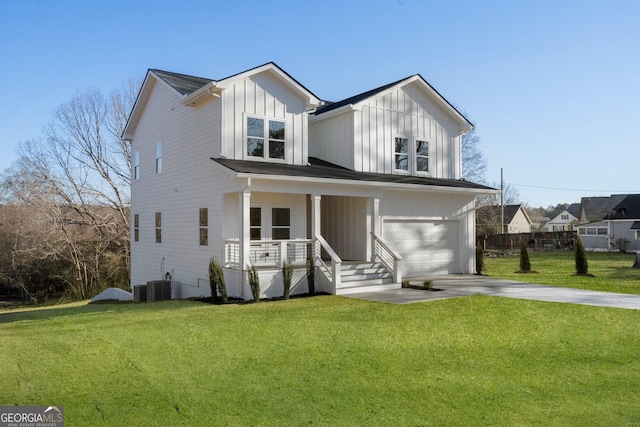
<point>453,286</point>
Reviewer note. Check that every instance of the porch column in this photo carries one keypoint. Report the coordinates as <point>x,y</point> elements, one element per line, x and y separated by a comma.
<point>315,215</point>
<point>244,236</point>
<point>373,225</point>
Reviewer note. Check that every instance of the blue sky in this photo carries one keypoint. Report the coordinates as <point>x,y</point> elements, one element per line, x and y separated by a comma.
<point>552,86</point>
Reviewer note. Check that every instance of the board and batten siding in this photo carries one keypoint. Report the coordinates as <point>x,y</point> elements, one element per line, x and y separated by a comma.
<point>266,96</point>
<point>363,139</point>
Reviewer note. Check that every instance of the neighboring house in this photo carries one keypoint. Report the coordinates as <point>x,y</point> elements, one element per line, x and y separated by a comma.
<point>254,169</point>
<point>610,223</point>
<point>516,220</point>
<point>565,220</point>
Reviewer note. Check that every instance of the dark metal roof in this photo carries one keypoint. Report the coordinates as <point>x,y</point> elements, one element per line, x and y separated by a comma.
<point>355,99</point>
<point>325,170</point>
<point>181,82</point>
<point>597,208</point>
<point>628,208</point>
<point>635,225</point>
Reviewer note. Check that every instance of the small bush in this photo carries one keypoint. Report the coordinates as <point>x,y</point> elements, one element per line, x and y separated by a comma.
<point>582,266</point>
<point>427,285</point>
<point>525,264</point>
<point>254,282</point>
<point>216,280</point>
<point>311,275</point>
<point>287,276</point>
<point>479,258</point>
<point>405,283</point>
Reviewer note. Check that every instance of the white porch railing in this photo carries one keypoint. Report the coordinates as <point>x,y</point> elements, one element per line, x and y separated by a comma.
<point>388,256</point>
<point>331,271</point>
<point>268,253</point>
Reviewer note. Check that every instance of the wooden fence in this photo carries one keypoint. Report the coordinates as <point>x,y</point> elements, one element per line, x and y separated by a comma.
<point>543,241</point>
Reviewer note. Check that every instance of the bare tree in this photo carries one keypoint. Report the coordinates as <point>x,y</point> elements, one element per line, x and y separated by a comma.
<point>77,177</point>
<point>474,164</point>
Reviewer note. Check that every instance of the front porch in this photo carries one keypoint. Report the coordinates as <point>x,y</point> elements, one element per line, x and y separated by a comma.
<point>375,266</point>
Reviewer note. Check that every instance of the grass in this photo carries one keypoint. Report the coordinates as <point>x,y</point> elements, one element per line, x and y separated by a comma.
<point>613,271</point>
<point>326,361</point>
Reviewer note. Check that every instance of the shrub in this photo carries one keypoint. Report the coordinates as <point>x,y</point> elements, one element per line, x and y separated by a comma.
<point>287,275</point>
<point>479,258</point>
<point>582,266</point>
<point>311,275</point>
<point>622,244</point>
<point>216,280</point>
<point>427,285</point>
<point>254,282</point>
<point>405,283</point>
<point>525,264</point>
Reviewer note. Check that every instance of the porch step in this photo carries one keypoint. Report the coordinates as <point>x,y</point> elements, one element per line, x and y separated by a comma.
<point>362,276</point>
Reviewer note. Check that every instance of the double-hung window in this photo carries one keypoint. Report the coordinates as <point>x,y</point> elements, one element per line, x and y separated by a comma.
<point>255,223</point>
<point>401,153</point>
<point>136,165</point>
<point>159,157</point>
<point>280,223</point>
<point>158,227</point>
<point>136,227</point>
<point>203,222</point>
<point>277,225</point>
<point>265,138</point>
<point>422,155</point>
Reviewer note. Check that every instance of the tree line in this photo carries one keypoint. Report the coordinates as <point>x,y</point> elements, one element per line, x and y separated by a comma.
<point>64,217</point>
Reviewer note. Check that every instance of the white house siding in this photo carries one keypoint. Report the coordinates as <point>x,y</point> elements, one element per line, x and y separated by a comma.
<point>432,212</point>
<point>344,225</point>
<point>263,95</point>
<point>363,140</point>
<point>189,139</point>
<point>332,140</point>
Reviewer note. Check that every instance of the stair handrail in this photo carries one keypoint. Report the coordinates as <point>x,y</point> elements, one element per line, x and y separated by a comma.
<point>383,251</point>
<point>336,262</point>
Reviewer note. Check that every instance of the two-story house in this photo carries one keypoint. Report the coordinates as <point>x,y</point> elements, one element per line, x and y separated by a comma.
<point>255,169</point>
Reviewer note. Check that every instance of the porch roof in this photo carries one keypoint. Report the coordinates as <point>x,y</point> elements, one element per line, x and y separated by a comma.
<point>320,169</point>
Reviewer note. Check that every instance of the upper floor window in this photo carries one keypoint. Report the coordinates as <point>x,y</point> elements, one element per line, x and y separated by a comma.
<point>401,156</point>
<point>564,216</point>
<point>159,157</point>
<point>136,165</point>
<point>422,155</point>
<point>203,222</point>
<point>265,138</point>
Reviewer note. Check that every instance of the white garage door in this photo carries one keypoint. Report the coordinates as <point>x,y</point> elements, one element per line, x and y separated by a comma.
<point>427,247</point>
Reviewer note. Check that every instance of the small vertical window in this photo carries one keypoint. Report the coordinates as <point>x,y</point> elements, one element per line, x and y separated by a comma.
<point>422,155</point>
<point>204,226</point>
<point>401,149</point>
<point>255,223</point>
<point>136,227</point>
<point>159,157</point>
<point>136,165</point>
<point>281,223</point>
<point>158,227</point>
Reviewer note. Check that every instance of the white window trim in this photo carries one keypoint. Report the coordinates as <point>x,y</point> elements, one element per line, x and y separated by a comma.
<point>415,156</point>
<point>266,158</point>
<point>393,158</point>
<point>266,220</point>
<point>412,156</point>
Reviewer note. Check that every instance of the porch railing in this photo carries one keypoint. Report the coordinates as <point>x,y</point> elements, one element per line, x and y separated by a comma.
<point>388,256</point>
<point>268,253</point>
<point>323,252</point>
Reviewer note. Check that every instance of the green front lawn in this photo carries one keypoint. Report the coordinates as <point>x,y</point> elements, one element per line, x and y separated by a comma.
<point>613,271</point>
<point>326,361</point>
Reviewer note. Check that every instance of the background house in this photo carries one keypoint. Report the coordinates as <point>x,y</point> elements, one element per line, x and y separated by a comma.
<point>254,169</point>
<point>516,220</point>
<point>565,220</point>
<point>610,223</point>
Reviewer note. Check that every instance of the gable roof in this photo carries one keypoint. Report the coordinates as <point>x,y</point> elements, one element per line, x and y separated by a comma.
<point>628,208</point>
<point>322,170</point>
<point>357,99</point>
<point>510,211</point>
<point>597,208</point>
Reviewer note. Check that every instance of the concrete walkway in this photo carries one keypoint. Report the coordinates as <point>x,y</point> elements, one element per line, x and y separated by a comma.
<point>453,286</point>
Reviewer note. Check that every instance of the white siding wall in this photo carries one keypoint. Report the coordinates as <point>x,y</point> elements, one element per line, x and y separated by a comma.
<point>263,95</point>
<point>189,181</point>
<point>363,140</point>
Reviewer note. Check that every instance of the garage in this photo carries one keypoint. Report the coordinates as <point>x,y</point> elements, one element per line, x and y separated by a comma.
<point>428,247</point>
